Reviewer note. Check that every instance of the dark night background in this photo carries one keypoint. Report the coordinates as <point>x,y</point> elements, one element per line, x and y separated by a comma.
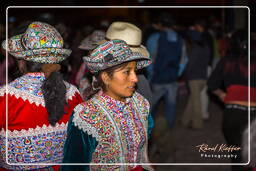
<point>79,17</point>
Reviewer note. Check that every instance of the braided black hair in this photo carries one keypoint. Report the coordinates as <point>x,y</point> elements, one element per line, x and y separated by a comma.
<point>54,92</point>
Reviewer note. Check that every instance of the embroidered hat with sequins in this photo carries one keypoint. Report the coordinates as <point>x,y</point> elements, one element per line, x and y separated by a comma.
<point>112,53</point>
<point>40,43</point>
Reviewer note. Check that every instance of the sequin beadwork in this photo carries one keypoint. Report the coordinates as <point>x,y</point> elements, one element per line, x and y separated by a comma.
<point>119,128</point>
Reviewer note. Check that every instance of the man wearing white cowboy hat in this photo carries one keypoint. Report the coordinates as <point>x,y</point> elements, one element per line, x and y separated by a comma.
<point>132,35</point>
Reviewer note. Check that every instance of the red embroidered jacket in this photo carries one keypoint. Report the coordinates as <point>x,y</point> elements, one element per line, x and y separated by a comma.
<point>30,137</point>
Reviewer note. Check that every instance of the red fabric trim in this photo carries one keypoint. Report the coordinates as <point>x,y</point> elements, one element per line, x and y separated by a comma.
<point>55,168</point>
<point>240,93</point>
<point>24,115</point>
<point>137,168</point>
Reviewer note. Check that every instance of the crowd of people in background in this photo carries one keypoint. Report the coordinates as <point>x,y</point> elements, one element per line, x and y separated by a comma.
<point>210,61</point>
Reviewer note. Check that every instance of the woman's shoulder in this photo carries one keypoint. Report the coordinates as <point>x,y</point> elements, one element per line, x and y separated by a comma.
<point>86,118</point>
<point>139,97</point>
<point>141,102</point>
<point>86,108</point>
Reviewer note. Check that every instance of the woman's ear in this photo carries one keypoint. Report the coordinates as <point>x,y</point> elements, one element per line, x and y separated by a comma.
<point>105,78</point>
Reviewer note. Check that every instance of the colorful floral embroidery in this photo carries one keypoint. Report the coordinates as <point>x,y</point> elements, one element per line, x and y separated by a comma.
<point>28,87</point>
<point>40,43</point>
<point>111,53</point>
<point>40,145</point>
<point>119,128</point>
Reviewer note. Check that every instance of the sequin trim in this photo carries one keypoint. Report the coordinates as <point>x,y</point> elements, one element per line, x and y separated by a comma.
<point>112,53</point>
<point>34,131</point>
<point>40,43</point>
<point>28,88</point>
<point>81,123</point>
<point>104,123</point>
<point>40,145</point>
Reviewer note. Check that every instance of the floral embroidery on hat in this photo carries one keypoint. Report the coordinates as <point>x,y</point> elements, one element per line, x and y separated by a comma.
<point>112,53</point>
<point>40,43</point>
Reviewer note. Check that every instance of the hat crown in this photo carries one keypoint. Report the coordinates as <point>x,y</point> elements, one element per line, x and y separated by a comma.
<point>125,31</point>
<point>111,51</point>
<point>40,43</point>
<point>41,35</point>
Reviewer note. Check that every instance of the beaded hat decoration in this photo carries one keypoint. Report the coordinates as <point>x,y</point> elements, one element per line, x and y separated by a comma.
<point>112,53</point>
<point>40,43</point>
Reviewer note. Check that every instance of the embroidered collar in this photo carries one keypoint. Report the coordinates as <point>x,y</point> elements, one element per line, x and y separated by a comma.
<point>30,82</point>
<point>109,100</point>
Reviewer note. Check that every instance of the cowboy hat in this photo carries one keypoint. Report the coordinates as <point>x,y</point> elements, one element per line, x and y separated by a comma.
<point>128,32</point>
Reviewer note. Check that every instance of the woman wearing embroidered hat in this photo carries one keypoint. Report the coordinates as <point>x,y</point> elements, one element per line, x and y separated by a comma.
<point>112,126</point>
<point>132,35</point>
<point>39,102</point>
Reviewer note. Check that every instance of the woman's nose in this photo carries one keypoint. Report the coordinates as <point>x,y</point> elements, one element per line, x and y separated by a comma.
<point>134,78</point>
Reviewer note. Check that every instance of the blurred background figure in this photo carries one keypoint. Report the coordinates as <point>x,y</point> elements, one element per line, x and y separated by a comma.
<point>245,141</point>
<point>229,82</point>
<point>166,50</point>
<point>209,37</point>
<point>2,57</point>
<point>83,77</point>
<point>252,148</point>
<point>196,75</point>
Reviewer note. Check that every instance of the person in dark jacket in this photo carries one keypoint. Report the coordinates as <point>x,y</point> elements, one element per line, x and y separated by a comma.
<point>196,74</point>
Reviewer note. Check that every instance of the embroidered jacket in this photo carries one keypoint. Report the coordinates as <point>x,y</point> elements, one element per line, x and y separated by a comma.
<point>30,137</point>
<point>104,130</point>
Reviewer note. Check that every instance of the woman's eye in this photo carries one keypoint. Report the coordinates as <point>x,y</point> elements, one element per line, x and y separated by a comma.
<point>126,72</point>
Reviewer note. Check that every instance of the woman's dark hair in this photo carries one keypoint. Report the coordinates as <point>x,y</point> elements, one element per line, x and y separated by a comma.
<point>238,54</point>
<point>98,83</point>
<point>239,43</point>
<point>54,92</point>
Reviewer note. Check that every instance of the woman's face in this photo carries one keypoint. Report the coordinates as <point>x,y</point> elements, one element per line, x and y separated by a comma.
<point>122,83</point>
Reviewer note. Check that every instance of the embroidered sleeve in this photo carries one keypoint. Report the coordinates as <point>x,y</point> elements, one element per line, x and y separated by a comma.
<point>79,147</point>
<point>84,118</point>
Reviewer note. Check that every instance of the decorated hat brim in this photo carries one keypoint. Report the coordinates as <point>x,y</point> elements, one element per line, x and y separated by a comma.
<point>43,55</point>
<point>49,55</point>
<point>95,67</point>
<point>141,49</point>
